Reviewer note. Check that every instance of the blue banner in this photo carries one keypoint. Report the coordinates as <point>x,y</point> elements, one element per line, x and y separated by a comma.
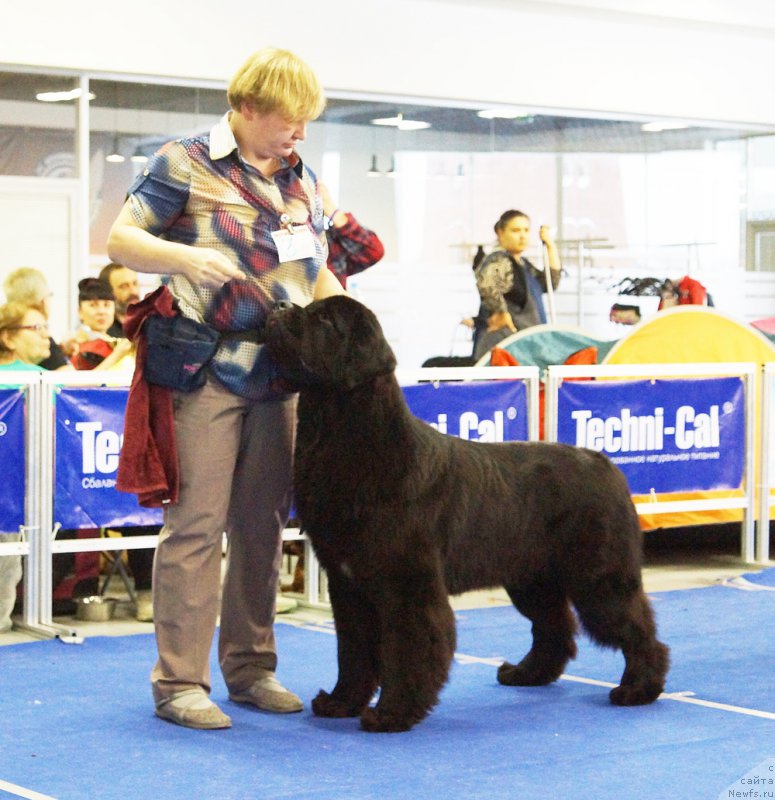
<point>665,435</point>
<point>89,432</point>
<point>13,459</point>
<point>483,411</point>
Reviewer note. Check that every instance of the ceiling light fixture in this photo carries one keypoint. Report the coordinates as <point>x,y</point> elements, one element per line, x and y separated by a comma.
<point>61,97</point>
<point>502,113</point>
<point>138,157</point>
<point>392,172</point>
<point>374,169</point>
<point>402,124</point>
<point>114,156</point>
<point>657,127</point>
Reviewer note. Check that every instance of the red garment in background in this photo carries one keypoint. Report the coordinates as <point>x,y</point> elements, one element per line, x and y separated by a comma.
<point>91,354</point>
<point>687,292</point>
<point>691,292</point>
<point>500,357</point>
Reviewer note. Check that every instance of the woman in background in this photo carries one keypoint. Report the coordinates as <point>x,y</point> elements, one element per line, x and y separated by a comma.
<point>510,286</point>
<point>28,286</point>
<point>91,346</point>
<point>24,340</point>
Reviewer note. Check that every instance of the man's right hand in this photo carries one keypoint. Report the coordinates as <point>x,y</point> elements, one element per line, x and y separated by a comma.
<point>209,268</point>
<point>138,249</point>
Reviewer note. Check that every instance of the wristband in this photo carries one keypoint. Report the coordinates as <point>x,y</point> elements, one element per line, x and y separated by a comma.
<point>331,217</point>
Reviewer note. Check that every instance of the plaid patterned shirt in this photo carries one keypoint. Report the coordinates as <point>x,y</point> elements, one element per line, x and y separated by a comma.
<point>200,192</point>
<point>352,249</point>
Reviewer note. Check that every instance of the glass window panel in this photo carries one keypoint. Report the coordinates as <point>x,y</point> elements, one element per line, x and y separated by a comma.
<point>37,138</point>
<point>129,122</point>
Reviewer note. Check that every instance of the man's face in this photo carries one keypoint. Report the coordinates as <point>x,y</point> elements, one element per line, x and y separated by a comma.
<point>125,286</point>
<point>271,135</point>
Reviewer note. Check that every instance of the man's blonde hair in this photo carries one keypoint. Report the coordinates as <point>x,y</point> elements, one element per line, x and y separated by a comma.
<point>26,285</point>
<point>277,80</point>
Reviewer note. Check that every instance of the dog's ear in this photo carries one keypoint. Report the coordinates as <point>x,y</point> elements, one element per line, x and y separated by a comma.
<point>369,353</point>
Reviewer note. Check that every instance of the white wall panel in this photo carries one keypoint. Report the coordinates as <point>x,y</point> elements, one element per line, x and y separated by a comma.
<point>37,230</point>
<point>696,60</point>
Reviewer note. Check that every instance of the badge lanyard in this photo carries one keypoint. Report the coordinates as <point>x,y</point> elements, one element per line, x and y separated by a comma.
<point>293,242</point>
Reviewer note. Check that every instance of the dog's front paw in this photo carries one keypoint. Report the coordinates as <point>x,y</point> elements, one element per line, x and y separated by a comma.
<point>629,695</point>
<point>325,705</point>
<point>529,672</point>
<point>375,721</point>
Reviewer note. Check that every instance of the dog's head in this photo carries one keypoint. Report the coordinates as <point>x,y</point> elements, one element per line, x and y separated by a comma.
<point>334,342</point>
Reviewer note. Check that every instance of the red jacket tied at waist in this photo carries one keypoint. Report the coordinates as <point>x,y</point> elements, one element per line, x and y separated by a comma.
<point>148,463</point>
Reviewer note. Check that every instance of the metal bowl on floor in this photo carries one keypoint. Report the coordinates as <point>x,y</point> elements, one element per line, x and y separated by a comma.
<point>95,608</point>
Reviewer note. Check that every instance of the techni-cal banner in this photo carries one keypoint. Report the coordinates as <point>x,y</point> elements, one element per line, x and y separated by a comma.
<point>12,457</point>
<point>665,435</point>
<point>89,432</point>
<point>482,411</point>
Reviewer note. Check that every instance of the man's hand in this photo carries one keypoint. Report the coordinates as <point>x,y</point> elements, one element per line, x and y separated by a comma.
<point>209,268</point>
<point>136,248</point>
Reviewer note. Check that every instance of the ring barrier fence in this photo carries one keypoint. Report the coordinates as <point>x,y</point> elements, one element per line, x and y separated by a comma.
<point>701,417</point>
<point>82,427</point>
<point>766,463</point>
<point>671,428</point>
<point>19,500</point>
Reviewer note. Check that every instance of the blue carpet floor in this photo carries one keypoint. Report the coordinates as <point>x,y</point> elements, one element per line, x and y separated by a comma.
<point>77,721</point>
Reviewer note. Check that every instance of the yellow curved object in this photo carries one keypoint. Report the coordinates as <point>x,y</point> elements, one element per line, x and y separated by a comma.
<point>692,335</point>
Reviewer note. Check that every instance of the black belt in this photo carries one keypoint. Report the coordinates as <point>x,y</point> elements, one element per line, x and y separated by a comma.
<point>254,335</point>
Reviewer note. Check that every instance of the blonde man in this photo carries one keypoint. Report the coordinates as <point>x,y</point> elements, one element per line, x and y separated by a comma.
<point>235,219</point>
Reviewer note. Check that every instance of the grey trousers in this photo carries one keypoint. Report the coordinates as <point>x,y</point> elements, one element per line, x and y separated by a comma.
<point>236,471</point>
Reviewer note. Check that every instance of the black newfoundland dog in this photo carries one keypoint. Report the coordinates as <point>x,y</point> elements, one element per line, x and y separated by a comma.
<point>402,516</point>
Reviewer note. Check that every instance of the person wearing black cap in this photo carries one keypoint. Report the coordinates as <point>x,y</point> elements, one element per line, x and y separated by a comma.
<point>94,347</point>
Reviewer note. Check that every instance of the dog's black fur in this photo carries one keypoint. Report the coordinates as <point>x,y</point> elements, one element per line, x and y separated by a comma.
<point>400,516</point>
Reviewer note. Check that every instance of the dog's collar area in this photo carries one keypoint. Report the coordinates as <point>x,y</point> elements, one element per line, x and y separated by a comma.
<point>313,381</point>
<point>368,380</point>
<point>257,335</point>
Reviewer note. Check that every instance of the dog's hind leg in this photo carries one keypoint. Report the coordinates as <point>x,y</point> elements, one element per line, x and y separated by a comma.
<point>417,647</point>
<point>357,639</point>
<point>554,627</point>
<point>617,613</point>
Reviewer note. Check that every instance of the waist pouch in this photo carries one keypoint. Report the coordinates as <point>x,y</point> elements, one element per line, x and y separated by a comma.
<point>178,350</point>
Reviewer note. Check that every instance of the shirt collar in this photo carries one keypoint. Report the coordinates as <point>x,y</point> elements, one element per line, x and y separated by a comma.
<point>223,143</point>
